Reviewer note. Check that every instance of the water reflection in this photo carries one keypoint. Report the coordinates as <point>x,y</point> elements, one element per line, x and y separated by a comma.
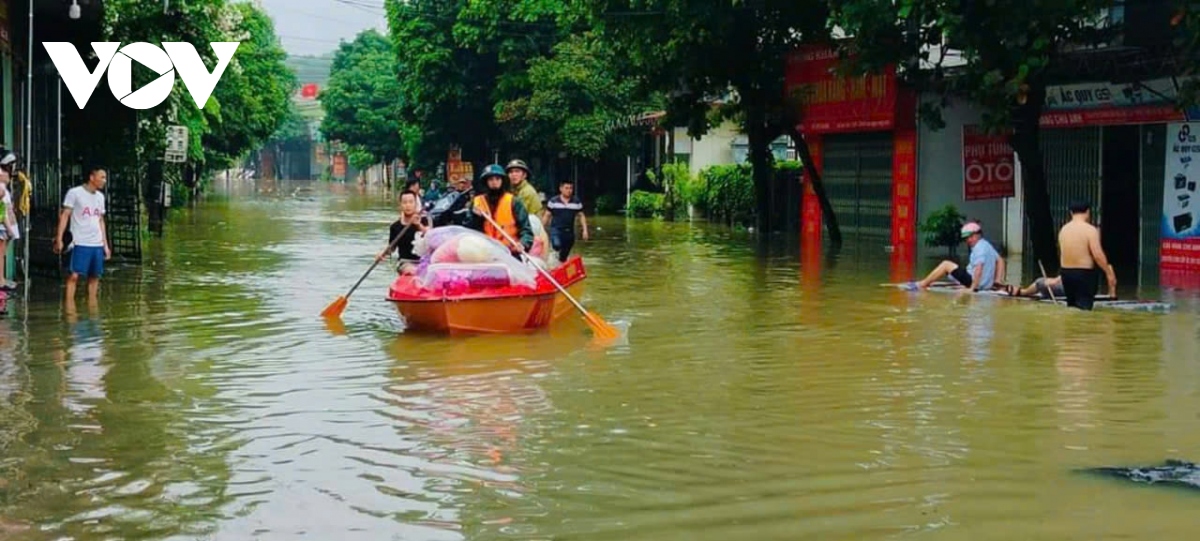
<point>761,394</point>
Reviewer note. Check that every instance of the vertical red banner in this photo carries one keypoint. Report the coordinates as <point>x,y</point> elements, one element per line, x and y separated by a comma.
<point>810,221</point>
<point>904,202</point>
<point>810,207</point>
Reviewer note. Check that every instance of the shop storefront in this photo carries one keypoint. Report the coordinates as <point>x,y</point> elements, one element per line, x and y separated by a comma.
<point>861,133</point>
<point>1122,147</point>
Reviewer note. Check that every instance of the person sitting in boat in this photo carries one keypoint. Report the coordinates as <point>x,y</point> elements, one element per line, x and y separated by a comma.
<point>504,208</point>
<point>405,228</point>
<point>983,269</point>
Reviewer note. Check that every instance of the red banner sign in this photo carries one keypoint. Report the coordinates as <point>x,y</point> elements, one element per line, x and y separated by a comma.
<point>904,195</point>
<point>832,103</point>
<point>1149,114</point>
<point>989,171</point>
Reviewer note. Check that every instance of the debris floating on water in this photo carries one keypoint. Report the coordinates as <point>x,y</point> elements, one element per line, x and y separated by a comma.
<point>1174,473</point>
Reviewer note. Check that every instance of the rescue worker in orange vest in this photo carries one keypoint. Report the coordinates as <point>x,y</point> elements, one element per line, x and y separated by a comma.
<point>504,208</point>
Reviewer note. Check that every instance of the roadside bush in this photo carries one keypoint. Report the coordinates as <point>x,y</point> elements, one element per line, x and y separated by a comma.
<point>644,204</point>
<point>607,204</point>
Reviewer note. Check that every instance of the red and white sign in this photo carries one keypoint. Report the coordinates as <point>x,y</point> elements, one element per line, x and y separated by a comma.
<point>833,103</point>
<point>989,171</point>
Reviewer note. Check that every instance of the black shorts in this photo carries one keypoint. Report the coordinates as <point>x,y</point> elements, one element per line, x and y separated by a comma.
<point>961,276</point>
<point>1080,286</point>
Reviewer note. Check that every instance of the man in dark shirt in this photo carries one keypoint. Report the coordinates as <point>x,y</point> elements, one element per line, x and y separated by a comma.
<point>406,228</point>
<point>560,213</point>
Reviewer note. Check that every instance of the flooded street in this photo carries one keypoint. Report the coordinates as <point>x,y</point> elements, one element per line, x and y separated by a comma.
<point>755,399</point>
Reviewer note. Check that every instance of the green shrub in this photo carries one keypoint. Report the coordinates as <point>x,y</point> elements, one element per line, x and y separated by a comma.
<point>942,228</point>
<point>644,204</point>
<point>607,204</point>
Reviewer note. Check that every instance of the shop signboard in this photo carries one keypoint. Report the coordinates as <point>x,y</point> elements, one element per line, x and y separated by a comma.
<point>1181,199</point>
<point>989,171</point>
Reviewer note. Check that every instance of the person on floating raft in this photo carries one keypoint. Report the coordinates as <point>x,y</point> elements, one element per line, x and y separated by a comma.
<point>985,269</point>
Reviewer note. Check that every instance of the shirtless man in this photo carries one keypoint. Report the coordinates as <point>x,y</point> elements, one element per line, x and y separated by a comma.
<point>1081,254</point>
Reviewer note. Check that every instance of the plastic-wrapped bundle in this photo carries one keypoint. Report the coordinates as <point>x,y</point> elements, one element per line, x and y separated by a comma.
<point>458,278</point>
<point>541,240</point>
<point>429,241</point>
<point>457,259</point>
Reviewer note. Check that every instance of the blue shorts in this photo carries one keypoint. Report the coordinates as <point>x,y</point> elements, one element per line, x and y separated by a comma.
<point>87,261</point>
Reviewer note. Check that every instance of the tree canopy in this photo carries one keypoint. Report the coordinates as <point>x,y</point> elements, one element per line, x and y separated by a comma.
<point>254,95</point>
<point>246,107</point>
<point>362,100</point>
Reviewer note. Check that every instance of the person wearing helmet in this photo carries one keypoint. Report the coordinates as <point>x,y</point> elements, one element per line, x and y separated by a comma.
<point>504,208</point>
<point>983,270</point>
<point>518,176</point>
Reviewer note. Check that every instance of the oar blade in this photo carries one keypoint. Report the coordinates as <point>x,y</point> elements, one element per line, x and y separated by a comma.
<point>335,308</point>
<point>600,327</point>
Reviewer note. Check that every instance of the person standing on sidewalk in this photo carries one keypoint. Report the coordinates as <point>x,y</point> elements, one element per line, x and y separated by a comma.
<point>83,209</point>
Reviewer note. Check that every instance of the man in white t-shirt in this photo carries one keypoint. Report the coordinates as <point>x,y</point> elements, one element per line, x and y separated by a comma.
<point>83,209</point>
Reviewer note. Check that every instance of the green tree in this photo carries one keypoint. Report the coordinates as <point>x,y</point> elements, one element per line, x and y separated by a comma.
<point>362,101</point>
<point>1187,20</point>
<point>728,51</point>
<point>578,100</point>
<point>447,89</point>
<point>254,96</point>
<point>199,22</point>
<point>1010,53</point>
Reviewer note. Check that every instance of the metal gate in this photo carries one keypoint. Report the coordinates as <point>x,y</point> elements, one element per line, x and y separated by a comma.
<point>1071,157</point>
<point>123,217</point>
<point>858,179</point>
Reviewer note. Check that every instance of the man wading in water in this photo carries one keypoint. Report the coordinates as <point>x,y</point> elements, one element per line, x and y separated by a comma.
<point>1079,244</point>
<point>83,210</point>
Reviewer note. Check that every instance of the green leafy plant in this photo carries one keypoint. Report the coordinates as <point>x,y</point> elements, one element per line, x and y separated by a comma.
<point>607,204</point>
<point>942,228</point>
<point>644,204</point>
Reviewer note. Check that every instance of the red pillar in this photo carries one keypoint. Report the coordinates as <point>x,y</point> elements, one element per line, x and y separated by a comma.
<point>904,204</point>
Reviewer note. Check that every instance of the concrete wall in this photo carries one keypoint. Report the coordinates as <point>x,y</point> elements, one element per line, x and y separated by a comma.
<point>940,180</point>
<point>715,148</point>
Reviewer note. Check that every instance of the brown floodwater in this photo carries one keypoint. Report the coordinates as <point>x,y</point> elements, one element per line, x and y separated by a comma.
<point>752,398</point>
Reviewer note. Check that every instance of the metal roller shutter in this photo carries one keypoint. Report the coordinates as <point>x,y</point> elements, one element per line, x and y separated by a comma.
<point>858,179</point>
<point>1072,160</point>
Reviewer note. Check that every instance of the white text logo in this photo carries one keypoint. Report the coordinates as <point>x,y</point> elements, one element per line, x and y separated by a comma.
<point>118,60</point>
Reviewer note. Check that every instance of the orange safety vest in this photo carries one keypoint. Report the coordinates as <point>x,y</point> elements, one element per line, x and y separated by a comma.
<point>502,215</point>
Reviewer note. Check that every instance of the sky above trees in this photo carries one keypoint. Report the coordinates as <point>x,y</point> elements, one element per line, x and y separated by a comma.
<point>313,27</point>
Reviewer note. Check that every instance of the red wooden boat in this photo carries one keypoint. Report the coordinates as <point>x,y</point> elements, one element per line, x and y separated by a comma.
<point>492,310</point>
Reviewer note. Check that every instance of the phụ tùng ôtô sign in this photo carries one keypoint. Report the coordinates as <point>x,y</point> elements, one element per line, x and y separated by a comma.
<point>989,169</point>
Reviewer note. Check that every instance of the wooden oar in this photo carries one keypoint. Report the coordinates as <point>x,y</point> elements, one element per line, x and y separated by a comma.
<point>338,305</point>
<point>600,327</point>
